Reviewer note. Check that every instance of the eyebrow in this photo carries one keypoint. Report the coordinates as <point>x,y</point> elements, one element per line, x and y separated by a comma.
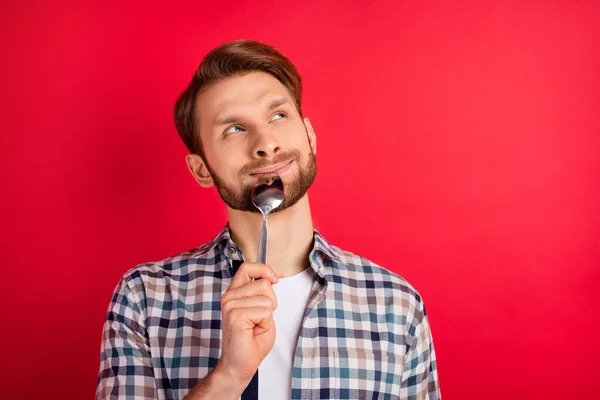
<point>274,103</point>
<point>277,102</point>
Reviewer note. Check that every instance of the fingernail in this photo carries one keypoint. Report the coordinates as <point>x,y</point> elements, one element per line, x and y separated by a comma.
<point>274,277</point>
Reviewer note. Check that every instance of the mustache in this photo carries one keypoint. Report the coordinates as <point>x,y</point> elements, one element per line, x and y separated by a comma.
<point>292,155</point>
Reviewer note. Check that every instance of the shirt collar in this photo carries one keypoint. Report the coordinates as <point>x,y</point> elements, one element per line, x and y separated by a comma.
<point>222,241</point>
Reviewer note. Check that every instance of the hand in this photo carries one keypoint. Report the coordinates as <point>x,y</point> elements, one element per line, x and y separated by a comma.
<point>247,317</point>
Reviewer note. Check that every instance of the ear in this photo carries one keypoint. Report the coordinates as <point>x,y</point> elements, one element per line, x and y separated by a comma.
<point>199,171</point>
<point>312,137</point>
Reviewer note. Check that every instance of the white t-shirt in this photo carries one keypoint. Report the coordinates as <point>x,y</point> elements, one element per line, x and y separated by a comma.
<point>275,371</point>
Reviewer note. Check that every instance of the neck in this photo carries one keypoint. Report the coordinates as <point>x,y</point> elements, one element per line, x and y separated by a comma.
<point>290,236</point>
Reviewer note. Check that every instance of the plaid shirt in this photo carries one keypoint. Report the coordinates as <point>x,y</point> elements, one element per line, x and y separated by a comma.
<point>365,333</point>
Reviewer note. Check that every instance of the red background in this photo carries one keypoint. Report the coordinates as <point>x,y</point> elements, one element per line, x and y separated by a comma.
<point>458,147</point>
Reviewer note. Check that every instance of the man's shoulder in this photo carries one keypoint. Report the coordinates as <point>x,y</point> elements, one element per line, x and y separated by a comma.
<point>179,267</point>
<point>359,271</point>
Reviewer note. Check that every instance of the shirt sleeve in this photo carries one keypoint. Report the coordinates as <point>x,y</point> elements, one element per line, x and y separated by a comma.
<point>419,376</point>
<point>125,362</point>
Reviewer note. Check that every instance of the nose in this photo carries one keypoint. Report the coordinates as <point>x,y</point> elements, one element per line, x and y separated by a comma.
<point>265,144</point>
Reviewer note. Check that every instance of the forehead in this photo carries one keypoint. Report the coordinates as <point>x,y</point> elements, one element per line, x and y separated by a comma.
<point>237,94</point>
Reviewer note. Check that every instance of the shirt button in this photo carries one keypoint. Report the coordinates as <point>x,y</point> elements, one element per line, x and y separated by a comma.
<point>232,250</point>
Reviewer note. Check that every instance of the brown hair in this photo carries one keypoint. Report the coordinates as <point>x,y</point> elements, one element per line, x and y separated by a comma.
<point>237,57</point>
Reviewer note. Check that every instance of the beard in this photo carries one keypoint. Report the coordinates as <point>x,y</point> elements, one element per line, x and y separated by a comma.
<point>241,199</point>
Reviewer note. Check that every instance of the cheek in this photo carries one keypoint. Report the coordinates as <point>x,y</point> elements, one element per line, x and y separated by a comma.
<point>306,148</point>
<point>300,140</point>
<point>225,167</point>
<point>233,168</point>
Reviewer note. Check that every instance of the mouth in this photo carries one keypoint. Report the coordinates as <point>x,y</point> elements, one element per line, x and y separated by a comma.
<point>274,169</point>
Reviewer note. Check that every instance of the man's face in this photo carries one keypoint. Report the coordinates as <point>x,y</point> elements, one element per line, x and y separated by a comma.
<point>250,128</point>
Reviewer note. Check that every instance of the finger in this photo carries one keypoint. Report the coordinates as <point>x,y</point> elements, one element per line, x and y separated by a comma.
<point>248,302</point>
<point>249,271</point>
<point>260,287</point>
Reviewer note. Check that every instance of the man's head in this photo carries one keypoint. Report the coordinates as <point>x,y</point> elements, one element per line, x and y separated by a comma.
<point>240,117</point>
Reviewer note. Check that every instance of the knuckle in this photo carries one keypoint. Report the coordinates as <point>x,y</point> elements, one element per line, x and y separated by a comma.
<point>233,315</point>
<point>225,297</point>
<point>226,307</point>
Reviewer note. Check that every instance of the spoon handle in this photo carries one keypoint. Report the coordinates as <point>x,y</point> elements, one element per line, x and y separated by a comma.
<point>262,243</point>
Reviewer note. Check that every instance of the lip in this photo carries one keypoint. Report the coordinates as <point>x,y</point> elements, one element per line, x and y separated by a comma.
<point>278,169</point>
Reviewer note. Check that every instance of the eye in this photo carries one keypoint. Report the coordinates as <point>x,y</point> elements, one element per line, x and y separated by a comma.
<point>279,113</point>
<point>231,130</point>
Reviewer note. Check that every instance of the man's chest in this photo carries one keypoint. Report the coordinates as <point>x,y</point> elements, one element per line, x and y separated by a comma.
<point>346,347</point>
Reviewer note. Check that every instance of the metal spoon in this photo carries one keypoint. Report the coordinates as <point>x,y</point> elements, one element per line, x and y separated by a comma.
<point>266,196</point>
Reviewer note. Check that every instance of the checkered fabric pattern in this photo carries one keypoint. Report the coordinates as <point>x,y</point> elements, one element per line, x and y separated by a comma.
<point>365,333</point>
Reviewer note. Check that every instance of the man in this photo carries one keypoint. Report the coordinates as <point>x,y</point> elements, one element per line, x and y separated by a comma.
<point>320,323</point>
